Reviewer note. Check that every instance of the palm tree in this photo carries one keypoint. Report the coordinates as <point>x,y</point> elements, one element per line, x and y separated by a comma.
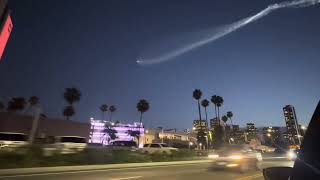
<point>134,134</point>
<point>224,119</point>
<point>205,104</point>
<point>103,109</point>
<point>33,100</point>
<point>112,134</point>
<point>219,104</point>
<point>16,104</point>
<point>230,115</point>
<point>71,95</point>
<point>2,107</point>
<point>68,111</point>
<point>197,96</point>
<point>142,106</point>
<point>214,101</point>
<point>112,109</point>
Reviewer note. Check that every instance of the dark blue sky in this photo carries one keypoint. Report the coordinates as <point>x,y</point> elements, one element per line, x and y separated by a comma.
<point>94,45</point>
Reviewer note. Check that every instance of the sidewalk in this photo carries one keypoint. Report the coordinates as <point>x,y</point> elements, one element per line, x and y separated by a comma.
<point>43,170</point>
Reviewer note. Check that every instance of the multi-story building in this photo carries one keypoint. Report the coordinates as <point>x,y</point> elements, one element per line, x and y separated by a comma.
<point>271,135</point>
<point>291,121</point>
<point>251,131</point>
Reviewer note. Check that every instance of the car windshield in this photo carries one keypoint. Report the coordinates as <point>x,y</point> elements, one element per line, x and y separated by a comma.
<point>158,89</point>
<point>73,139</point>
<point>12,137</point>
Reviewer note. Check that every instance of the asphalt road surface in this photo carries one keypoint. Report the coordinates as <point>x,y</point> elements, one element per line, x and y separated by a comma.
<point>199,171</point>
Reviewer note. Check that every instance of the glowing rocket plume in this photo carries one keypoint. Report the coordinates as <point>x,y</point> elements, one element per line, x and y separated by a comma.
<point>225,31</point>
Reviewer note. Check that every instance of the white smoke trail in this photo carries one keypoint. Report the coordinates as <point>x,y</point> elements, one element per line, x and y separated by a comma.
<point>225,31</point>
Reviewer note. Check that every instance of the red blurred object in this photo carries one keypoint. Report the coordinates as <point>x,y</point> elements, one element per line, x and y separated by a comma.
<point>5,33</point>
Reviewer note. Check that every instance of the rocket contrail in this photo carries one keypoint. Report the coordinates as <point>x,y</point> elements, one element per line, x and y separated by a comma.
<point>224,31</point>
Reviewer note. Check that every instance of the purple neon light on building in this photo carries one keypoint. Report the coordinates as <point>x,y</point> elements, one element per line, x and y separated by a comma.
<point>98,136</point>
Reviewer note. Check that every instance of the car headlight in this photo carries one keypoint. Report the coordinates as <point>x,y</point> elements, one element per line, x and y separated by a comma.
<point>213,156</point>
<point>235,157</point>
<point>291,155</point>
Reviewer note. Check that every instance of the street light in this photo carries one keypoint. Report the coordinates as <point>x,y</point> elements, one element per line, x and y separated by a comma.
<point>269,135</point>
<point>193,128</point>
<point>190,144</point>
<point>303,127</point>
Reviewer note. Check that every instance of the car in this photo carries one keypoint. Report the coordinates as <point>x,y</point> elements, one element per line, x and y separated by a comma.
<point>11,141</point>
<point>239,157</point>
<point>292,154</point>
<point>66,145</point>
<point>306,164</point>
<point>123,145</point>
<point>158,148</point>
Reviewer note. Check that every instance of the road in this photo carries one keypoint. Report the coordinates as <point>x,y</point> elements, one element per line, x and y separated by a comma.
<point>174,172</point>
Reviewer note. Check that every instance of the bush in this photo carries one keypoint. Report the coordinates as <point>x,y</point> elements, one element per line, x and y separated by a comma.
<point>33,156</point>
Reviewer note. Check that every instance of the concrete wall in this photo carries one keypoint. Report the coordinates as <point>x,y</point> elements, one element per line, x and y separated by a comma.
<point>11,122</point>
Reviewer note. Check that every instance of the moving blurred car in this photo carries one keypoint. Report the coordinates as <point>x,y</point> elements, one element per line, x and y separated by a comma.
<point>240,157</point>
<point>292,154</point>
<point>66,145</point>
<point>123,145</point>
<point>11,141</point>
<point>158,148</point>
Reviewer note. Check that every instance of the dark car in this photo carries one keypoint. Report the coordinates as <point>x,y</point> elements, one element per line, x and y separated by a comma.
<point>123,145</point>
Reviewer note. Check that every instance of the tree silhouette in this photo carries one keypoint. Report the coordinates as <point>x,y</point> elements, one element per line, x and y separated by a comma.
<point>224,119</point>
<point>230,115</point>
<point>103,109</point>
<point>33,100</point>
<point>197,96</point>
<point>16,104</point>
<point>217,101</point>
<point>112,109</point>
<point>205,104</point>
<point>71,95</point>
<point>134,134</point>
<point>142,106</point>
<point>2,107</point>
<point>112,134</point>
<point>68,111</point>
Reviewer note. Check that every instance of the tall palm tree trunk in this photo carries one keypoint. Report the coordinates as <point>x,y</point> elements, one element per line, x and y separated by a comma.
<point>139,129</point>
<point>215,111</point>
<point>205,110</point>
<point>199,110</point>
<point>110,117</point>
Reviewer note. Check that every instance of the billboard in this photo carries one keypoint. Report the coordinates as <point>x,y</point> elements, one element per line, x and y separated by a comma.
<point>5,31</point>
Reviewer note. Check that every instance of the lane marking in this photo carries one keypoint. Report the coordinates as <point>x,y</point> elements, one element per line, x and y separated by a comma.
<point>250,177</point>
<point>96,170</point>
<point>132,177</point>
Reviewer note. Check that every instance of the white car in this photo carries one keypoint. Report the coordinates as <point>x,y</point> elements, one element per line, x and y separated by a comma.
<point>67,145</point>
<point>158,148</point>
<point>11,140</point>
<point>236,156</point>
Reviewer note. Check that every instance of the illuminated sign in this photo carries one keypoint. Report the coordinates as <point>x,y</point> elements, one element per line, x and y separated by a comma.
<point>97,134</point>
<point>5,33</point>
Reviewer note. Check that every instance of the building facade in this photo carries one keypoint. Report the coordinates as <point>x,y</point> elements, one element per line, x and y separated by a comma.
<point>98,133</point>
<point>291,121</point>
<point>251,132</point>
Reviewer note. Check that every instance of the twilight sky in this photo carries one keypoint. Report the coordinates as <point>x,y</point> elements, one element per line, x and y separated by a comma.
<point>94,44</point>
